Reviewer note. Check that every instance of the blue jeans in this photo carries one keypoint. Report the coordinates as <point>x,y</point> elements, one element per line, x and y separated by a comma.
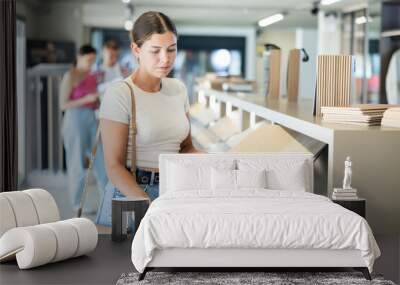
<point>104,212</point>
<point>79,135</point>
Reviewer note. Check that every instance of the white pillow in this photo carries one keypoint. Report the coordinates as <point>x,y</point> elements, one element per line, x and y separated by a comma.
<point>182,177</point>
<point>292,180</point>
<point>184,173</point>
<point>281,174</point>
<point>223,179</point>
<point>226,179</point>
<point>251,178</point>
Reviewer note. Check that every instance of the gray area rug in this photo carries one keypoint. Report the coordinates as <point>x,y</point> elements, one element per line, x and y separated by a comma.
<point>273,278</point>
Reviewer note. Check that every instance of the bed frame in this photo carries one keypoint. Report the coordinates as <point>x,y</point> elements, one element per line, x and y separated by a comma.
<point>246,258</point>
<point>242,259</point>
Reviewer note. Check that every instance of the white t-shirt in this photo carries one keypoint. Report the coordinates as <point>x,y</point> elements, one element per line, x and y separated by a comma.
<point>111,74</point>
<point>161,118</point>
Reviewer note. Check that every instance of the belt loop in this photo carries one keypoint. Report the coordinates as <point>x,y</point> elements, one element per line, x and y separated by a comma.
<point>152,178</point>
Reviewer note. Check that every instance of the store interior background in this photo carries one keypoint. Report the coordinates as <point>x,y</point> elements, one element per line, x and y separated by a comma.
<point>214,36</point>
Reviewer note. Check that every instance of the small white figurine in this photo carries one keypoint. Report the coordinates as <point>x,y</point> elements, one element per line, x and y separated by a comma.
<point>347,174</point>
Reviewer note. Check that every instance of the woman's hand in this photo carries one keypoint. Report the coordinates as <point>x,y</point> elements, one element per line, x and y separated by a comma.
<point>138,192</point>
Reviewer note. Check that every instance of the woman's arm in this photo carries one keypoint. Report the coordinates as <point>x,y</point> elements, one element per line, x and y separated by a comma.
<point>114,136</point>
<point>65,92</point>
<point>187,144</point>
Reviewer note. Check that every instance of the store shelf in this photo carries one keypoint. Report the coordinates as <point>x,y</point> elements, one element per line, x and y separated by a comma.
<point>297,116</point>
<point>390,33</point>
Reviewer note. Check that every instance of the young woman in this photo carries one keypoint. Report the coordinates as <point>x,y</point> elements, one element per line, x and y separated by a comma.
<point>79,100</point>
<point>161,114</point>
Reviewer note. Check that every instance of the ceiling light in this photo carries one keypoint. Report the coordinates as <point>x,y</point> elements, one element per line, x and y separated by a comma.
<point>270,20</point>
<point>328,2</point>
<point>128,25</point>
<point>362,20</point>
<point>126,1</point>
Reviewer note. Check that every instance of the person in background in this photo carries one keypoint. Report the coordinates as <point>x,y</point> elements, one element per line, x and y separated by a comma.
<point>110,68</point>
<point>162,115</point>
<point>79,100</point>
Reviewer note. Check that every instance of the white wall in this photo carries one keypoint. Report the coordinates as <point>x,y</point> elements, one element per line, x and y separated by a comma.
<point>286,40</point>
<point>106,15</point>
<point>329,34</point>
<point>307,39</point>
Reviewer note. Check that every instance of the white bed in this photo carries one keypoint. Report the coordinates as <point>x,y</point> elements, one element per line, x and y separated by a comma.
<point>201,226</point>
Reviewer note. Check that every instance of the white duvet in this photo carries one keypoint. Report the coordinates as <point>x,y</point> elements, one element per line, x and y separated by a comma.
<point>253,218</point>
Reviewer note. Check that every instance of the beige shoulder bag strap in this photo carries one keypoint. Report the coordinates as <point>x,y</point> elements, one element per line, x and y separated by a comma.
<point>134,130</point>
<point>94,150</point>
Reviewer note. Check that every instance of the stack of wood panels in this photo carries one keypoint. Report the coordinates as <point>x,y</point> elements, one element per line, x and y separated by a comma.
<point>391,118</point>
<point>335,81</point>
<point>363,114</point>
